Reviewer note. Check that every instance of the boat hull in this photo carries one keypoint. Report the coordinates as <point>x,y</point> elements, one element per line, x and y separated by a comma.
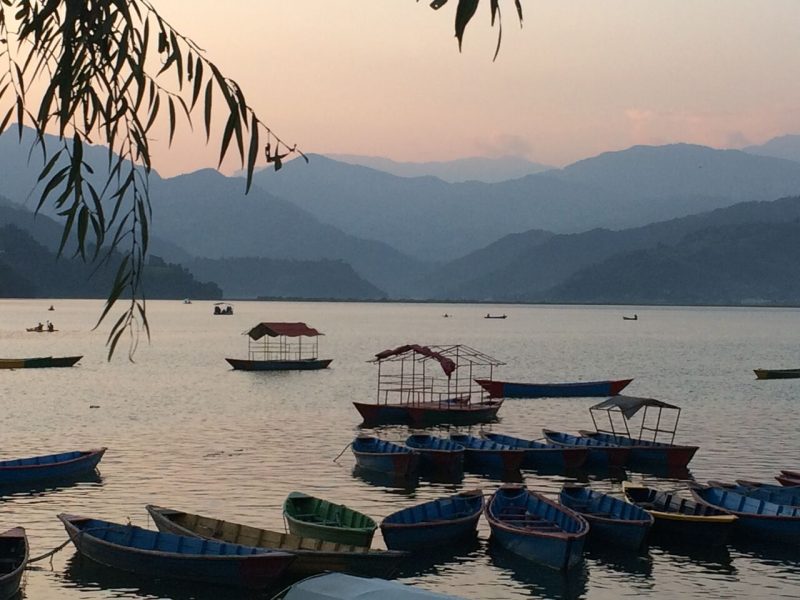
<point>62,466</point>
<point>43,362</point>
<point>555,549</point>
<point>544,456</point>
<point>385,457</point>
<point>456,518</point>
<point>507,389</point>
<point>437,454</point>
<point>657,455</point>
<point>611,520</point>
<point>312,517</point>
<point>430,413</point>
<point>601,455</point>
<point>279,365</point>
<point>313,556</point>
<point>253,570</point>
<point>14,553</point>
<point>777,373</point>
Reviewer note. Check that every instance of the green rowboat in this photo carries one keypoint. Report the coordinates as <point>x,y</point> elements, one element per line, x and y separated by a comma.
<point>308,516</point>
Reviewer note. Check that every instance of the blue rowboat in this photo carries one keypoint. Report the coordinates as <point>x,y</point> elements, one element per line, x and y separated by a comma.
<point>51,466</point>
<point>601,454</point>
<point>166,555</point>
<point>645,452</point>
<point>610,519</point>
<point>486,454</point>
<point>386,457</point>
<point>436,453</point>
<point>539,455</point>
<point>581,389</point>
<point>13,560</point>
<point>756,517</point>
<point>679,519</point>
<point>338,586</point>
<point>776,494</point>
<point>536,528</point>
<point>433,523</point>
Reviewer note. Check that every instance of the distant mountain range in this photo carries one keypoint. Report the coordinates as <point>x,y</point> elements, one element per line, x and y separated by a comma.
<point>336,230</point>
<point>487,170</point>
<point>785,146</point>
<point>435,221</point>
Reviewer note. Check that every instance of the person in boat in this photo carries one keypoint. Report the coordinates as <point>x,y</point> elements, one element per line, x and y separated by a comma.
<point>51,307</point>
<point>50,327</point>
<point>217,311</point>
<point>40,327</point>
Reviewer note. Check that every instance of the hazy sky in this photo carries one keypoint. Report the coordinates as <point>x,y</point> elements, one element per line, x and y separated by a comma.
<point>384,77</point>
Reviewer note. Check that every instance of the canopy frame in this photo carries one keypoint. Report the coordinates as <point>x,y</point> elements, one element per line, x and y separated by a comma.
<point>416,374</point>
<point>278,341</point>
<point>622,408</point>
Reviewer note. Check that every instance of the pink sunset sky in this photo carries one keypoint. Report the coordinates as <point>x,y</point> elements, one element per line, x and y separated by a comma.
<point>385,78</point>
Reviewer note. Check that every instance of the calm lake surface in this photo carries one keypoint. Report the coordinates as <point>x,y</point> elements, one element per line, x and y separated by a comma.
<point>185,431</point>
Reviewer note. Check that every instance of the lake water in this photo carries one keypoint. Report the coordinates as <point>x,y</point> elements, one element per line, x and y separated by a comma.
<point>185,431</point>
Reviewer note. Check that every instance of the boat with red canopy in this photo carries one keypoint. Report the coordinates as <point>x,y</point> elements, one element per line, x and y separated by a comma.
<point>428,385</point>
<point>279,347</point>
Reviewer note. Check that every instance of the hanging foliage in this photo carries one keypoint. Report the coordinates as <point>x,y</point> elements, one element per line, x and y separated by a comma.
<point>103,67</point>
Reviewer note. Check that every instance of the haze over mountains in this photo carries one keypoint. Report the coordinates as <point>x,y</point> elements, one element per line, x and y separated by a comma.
<point>336,230</point>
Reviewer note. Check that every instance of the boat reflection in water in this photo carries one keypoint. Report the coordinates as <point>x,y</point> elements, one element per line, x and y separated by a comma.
<point>435,560</point>
<point>399,484</point>
<point>543,582</point>
<point>38,488</point>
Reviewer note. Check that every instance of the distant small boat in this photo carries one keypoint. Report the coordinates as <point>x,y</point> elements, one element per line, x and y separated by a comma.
<point>165,555</point>
<point>789,478</point>
<point>583,389</point>
<point>42,362</point>
<point>791,474</point>
<point>536,528</point>
<point>380,455</point>
<point>313,555</point>
<point>338,586</point>
<point>440,454</point>
<point>681,519</point>
<point>223,308</point>
<point>777,373</point>
<point>539,455</point>
<point>610,519</point>
<point>14,554</point>
<point>756,517</point>
<point>633,318</point>
<point>488,316</point>
<point>50,466</point>
<point>40,330</point>
<point>601,454</point>
<point>487,454</point>
<point>435,523</point>
<point>770,487</point>
<point>51,307</point>
<point>187,301</point>
<point>308,516</point>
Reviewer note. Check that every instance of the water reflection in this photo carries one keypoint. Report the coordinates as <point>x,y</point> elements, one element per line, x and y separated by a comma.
<point>86,574</point>
<point>620,560</point>
<point>714,559</point>
<point>394,484</point>
<point>540,580</point>
<point>433,560</point>
<point>10,491</point>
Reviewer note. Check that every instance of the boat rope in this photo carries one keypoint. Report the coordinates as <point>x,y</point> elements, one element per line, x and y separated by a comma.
<point>343,451</point>
<point>49,554</point>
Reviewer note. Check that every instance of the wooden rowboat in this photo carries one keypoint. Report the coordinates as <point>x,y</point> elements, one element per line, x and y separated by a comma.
<point>385,457</point>
<point>583,389</point>
<point>42,362</point>
<point>777,373</point>
<point>313,556</point>
<point>13,560</point>
<point>536,528</point>
<point>601,454</point>
<point>756,517</point>
<point>51,466</point>
<point>787,481</point>
<point>308,516</point>
<point>337,586</point>
<point>611,520</point>
<point>438,454</point>
<point>486,454</point>
<point>309,364</point>
<point>681,519</point>
<point>455,411</point>
<point>777,494</point>
<point>539,455</point>
<point>434,523</point>
<point>165,555</point>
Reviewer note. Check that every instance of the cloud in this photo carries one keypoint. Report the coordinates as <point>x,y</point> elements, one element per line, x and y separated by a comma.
<point>503,144</point>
